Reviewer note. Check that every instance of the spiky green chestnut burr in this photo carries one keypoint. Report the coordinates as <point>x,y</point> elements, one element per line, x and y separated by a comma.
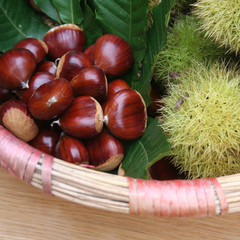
<point>202,119</point>
<point>185,44</point>
<point>221,21</point>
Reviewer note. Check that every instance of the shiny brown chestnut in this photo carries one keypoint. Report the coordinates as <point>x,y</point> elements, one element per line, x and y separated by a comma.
<point>125,114</point>
<point>34,83</point>
<point>47,66</point>
<point>14,115</point>
<point>105,151</point>
<point>72,150</point>
<point>71,64</point>
<point>51,99</point>
<point>46,139</point>
<point>34,45</point>
<point>113,55</point>
<point>115,86</point>
<point>83,119</point>
<point>64,38</point>
<point>16,67</point>
<point>89,51</point>
<point>92,82</point>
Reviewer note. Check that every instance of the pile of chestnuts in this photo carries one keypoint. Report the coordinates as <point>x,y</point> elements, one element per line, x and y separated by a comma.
<point>68,101</point>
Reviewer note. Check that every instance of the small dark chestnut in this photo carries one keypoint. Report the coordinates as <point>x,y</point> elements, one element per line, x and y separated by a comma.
<point>71,150</point>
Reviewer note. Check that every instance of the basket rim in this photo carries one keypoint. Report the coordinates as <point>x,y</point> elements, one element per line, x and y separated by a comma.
<point>171,198</point>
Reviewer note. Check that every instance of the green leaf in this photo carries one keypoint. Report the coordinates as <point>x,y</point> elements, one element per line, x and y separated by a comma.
<point>69,11</point>
<point>157,37</point>
<point>145,151</point>
<point>47,7</point>
<point>90,25</point>
<point>18,21</point>
<point>127,19</point>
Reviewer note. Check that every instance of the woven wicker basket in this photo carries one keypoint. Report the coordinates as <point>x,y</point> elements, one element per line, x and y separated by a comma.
<point>177,198</point>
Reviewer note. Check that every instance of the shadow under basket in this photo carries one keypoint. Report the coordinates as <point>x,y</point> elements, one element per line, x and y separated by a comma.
<point>173,198</point>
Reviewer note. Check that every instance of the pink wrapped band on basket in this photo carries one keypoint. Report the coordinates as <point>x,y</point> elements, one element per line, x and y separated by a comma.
<point>146,197</point>
<point>20,159</point>
<point>176,198</point>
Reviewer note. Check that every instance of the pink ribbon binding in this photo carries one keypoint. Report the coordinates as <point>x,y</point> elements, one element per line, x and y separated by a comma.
<point>176,198</point>
<point>20,159</point>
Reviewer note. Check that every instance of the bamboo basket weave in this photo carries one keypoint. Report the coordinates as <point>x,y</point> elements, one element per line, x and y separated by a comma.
<point>175,198</point>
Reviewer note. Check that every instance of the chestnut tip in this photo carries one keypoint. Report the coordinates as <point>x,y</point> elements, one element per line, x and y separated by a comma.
<point>37,79</point>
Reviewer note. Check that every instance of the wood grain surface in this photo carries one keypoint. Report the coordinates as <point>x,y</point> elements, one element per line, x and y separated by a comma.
<point>28,214</point>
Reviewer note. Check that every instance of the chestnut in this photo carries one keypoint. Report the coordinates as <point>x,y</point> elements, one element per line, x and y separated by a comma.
<point>125,114</point>
<point>89,51</point>
<point>51,99</point>
<point>14,115</point>
<point>90,81</point>
<point>83,119</point>
<point>64,38</point>
<point>34,83</point>
<point>115,86</point>
<point>72,150</point>
<point>46,139</point>
<point>113,55</point>
<point>105,151</point>
<point>47,66</point>
<point>16,67</point>
<point>34,45</point>
<point>71,64</point>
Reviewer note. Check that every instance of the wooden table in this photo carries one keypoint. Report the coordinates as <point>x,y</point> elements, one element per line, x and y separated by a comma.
<point>28,214</point>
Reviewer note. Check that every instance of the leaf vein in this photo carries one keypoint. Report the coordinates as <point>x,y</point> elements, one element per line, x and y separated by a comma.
<point>13,24</point>
<point>144,149</point>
